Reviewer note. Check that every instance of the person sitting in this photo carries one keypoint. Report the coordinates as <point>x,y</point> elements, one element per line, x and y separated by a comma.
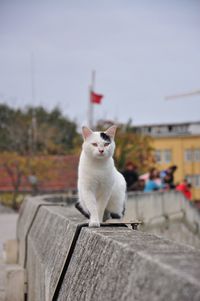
<point>185,188</point>
<point>168,177</point>
<point>131,176</point>
<point>152,182</point>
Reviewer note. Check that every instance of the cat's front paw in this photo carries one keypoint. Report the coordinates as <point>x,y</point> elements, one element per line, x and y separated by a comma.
<point>93,224</point>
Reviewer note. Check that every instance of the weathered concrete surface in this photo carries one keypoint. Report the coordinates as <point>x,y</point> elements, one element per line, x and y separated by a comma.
<point>107,263</point>
<point>2,282</point>
<point>8,220</point>
<point>14,283</point>
<point>167,214</point>
<point>26,219</point>
<point>148,206</point>
<point>49,240</point>
<point>11,282</point>
<point>120,264</point>
<point>7,229</point>
<point>11,251</point>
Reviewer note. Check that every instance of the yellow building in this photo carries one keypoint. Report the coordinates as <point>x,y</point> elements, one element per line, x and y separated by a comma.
<point>177,144</point>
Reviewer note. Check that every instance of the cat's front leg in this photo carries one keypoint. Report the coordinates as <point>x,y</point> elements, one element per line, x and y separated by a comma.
<point>94,224</point>
<point>101,205</point>
<point>91,205</point>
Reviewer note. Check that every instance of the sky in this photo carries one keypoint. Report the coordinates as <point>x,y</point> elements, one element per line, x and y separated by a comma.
<point>141,51</point>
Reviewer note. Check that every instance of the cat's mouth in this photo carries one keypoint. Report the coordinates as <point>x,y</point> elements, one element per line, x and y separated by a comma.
<point>100,155</point>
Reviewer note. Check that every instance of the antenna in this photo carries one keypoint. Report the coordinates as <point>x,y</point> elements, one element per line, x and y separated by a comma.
<point>33,130</point>
<point>192,93</point>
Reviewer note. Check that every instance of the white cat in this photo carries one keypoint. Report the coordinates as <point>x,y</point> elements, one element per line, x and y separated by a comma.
<point>101,187</point>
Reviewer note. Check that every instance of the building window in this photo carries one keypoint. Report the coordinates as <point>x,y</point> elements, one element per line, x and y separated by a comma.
<point>163,156</point>
<point>158,157</point>
<point>167,156</point>
<point>197,155</point>
<point>192,155</point>
<point>188,155</point>
<point>194,180</point>
<point>190,179</point>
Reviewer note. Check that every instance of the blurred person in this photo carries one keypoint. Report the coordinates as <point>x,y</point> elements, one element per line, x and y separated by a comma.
<point>131,176</point>
<point>144,177</point>
<point>167,177</point>
<point>155,172</point>
<point>185,188</point>
<point>151,184</point>
<point>140,185</point>
<point>33,180</point>
<point>157,177</point>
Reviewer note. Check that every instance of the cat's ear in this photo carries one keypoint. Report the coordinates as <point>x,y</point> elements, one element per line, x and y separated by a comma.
<point>86,132</point>
<point>111,131</point>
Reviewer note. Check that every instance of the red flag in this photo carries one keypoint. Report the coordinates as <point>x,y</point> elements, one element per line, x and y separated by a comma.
<point>95,98</point>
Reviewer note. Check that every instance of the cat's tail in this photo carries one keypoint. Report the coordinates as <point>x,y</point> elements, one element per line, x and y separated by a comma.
<point>112,215</point>
<point>81,210</point>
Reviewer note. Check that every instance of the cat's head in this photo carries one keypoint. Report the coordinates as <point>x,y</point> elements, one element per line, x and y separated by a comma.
<point>99,145</point>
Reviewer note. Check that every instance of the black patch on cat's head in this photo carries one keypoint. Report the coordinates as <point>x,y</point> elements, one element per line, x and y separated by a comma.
<point>105,137</point>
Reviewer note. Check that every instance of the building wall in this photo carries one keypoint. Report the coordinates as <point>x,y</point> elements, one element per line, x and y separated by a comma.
<point>179,147</point>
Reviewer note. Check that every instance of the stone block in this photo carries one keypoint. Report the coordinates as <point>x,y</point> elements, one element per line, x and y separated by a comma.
<point>107,263</point>
<point>11,251</point>
<point>2,282</point>
<point>26,215</point>
<point>121,264</point>
<point>14,283</point>
<point>172,202</point>
<point>49,241</point>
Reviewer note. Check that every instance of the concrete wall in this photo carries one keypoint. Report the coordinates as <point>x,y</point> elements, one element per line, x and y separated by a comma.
<point>167,214</point>
<point>107,263</point>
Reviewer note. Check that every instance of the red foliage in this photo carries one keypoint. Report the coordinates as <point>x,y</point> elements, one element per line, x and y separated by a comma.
<point>63,168</point>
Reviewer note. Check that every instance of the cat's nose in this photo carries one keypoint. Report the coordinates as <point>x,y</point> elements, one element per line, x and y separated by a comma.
<point>101,151</point>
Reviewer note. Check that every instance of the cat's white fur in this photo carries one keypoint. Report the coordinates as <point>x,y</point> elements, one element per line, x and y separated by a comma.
<point>100,185</point>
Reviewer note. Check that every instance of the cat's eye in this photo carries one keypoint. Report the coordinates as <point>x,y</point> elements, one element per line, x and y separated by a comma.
<point>106,144</point>
<point>94,144</point>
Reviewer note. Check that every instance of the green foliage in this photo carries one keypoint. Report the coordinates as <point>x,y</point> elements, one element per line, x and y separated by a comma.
<point>6,198</point>
<point>133,147</point>
<point>35,130</point>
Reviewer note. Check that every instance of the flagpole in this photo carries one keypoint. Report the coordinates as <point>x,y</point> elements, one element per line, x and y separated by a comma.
<point>91,106</point>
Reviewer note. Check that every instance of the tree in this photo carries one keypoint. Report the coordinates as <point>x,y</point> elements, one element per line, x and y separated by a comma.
<point>19,168</point>
<point>14,126</point>
<point>55,133</point>
<point>131,146</point>
<point>36,131</point>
